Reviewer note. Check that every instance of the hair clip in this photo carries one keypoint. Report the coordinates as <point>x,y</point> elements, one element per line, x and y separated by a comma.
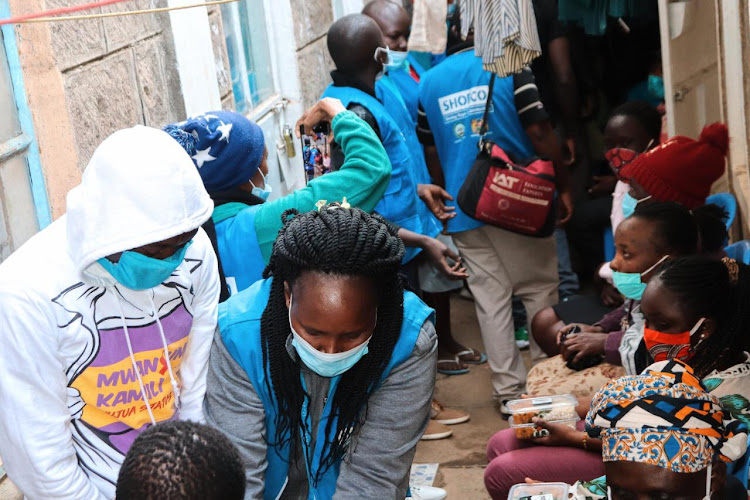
<point>334,205</point>
<point>732,268</point>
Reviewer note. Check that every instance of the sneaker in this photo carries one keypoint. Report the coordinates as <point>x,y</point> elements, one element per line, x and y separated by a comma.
<point>436,430</point>
<point>447,416</point>
<point>522,337</point>
<point>426,493</point>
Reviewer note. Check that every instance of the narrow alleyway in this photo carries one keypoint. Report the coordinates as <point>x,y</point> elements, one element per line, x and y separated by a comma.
<point>462,456</point>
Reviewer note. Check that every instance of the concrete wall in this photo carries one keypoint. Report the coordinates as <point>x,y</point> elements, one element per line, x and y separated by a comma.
<point>311,21</point>
<point>223,72</point>
<point>116,72</point>
<point>86,79</point>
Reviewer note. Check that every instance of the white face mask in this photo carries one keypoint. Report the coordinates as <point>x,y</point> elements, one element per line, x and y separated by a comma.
<point>325,365</point>
<point>383,56</point>
<point>708,486</point>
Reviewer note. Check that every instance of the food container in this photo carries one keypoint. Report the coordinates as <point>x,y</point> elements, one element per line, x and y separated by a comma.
<point>559,409</point>
<point>539,491</point>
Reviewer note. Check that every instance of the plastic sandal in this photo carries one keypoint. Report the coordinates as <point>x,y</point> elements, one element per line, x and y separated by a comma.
<point>455,360</point>
<point>472,352</point>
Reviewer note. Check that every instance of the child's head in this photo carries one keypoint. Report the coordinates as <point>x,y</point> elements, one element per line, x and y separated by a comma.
<point>635,125</point>
<point>181,460</point>
<point>680,170</point>
<point>228,150</point>
<point>695,311</point>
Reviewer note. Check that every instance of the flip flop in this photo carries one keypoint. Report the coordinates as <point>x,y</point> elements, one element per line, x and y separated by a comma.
<point>472,352</point>
<point>455,359</point>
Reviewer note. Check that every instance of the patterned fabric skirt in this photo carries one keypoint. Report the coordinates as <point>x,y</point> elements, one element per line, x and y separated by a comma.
<point>551,376</point>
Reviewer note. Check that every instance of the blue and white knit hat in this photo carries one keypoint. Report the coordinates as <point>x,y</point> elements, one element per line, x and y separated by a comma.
<point>226,147</point>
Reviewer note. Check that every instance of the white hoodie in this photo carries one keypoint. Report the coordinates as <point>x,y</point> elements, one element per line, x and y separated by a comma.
<point>70,400</point>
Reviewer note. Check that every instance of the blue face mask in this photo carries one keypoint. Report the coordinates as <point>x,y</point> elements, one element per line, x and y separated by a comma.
<point>656,87</point>
<point>630,284</point>
<point>264,192</point>
<point>138,272</point>
<point>629,203</point>
<point>325,365</point>
<point>396,59</point>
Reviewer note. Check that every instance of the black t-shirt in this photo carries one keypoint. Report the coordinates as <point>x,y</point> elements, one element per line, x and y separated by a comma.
<point>549,28</point>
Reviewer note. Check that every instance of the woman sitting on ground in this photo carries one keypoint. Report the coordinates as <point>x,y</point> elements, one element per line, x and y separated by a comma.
<point>655,233</point>
<point>682,170</point>
<point>694,294</point>
<point>322,374</point>
<point>664,436</point>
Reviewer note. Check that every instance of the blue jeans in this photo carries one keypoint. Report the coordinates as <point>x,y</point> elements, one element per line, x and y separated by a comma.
<point>568,279</point>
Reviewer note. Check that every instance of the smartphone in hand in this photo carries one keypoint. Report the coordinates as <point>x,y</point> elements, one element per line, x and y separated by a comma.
<point>316,153</point>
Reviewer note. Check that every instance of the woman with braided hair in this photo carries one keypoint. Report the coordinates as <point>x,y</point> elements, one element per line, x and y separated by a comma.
<point>309,364</point>
<point>695,310</point>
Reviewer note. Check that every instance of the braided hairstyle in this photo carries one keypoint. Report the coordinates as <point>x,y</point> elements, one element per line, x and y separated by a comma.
<point>181,460</point>
<point>710,288</point>
<point>343,242</point>
<point>684,232</point>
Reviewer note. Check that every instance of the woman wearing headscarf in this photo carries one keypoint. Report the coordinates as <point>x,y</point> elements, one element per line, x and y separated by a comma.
<point>664,436</point>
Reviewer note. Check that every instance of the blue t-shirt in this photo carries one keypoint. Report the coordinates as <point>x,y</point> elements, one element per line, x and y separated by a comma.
<point>453,96</point>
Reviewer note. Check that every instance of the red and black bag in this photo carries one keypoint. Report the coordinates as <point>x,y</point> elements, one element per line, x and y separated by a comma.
<point>515,195</point>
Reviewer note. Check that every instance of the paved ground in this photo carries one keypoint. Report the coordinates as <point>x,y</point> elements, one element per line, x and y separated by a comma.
<point>462,457</point>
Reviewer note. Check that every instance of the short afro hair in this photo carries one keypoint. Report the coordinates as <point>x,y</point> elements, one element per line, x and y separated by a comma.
<point>181,460</point>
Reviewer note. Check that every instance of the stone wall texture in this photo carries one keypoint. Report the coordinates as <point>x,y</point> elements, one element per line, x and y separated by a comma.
<point>117,72</point>
<point>311,21</point>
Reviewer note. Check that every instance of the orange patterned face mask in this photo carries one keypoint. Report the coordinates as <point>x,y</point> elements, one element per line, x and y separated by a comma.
<point>663,346</point>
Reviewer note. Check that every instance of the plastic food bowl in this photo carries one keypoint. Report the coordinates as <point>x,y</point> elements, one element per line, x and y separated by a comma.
<point>539,491</point>
<point>559,409</point>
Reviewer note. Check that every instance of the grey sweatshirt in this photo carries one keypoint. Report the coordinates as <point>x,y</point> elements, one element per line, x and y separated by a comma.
<point>380,456</point>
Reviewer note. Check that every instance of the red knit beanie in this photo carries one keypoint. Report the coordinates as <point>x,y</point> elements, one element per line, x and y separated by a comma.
<point>682,169</point>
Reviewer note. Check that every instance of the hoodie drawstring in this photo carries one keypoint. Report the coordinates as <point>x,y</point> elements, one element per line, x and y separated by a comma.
<point>175,385</point>
<point>132,357</point>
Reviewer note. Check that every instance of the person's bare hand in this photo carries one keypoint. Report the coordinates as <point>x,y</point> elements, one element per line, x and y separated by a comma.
<point>439,253</point>
<point>582,326</point>
<point>570,147</point>
<point>603,185</point>
<point>582,345</point>
<point>565,208</point>
<point>435,197</point>
<point>322,111</point>
<point>556,434</point>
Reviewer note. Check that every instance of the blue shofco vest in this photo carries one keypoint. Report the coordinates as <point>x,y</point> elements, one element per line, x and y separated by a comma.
<point>241,259</point>
<point>239,322</point>
<point>407,86</point>
<point>399,203</point>
<point>453,95</point>
<point>394,104</point>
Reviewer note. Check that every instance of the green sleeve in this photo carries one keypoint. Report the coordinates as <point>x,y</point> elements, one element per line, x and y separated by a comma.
<point>362,179</point>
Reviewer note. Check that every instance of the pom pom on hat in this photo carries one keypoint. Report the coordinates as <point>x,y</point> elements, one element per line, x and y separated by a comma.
<point>226,147</point>
<point>682,169</point>
<point>717,135</point>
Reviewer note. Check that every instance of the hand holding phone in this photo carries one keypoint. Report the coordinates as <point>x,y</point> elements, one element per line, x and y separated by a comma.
<point>322,112</point>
